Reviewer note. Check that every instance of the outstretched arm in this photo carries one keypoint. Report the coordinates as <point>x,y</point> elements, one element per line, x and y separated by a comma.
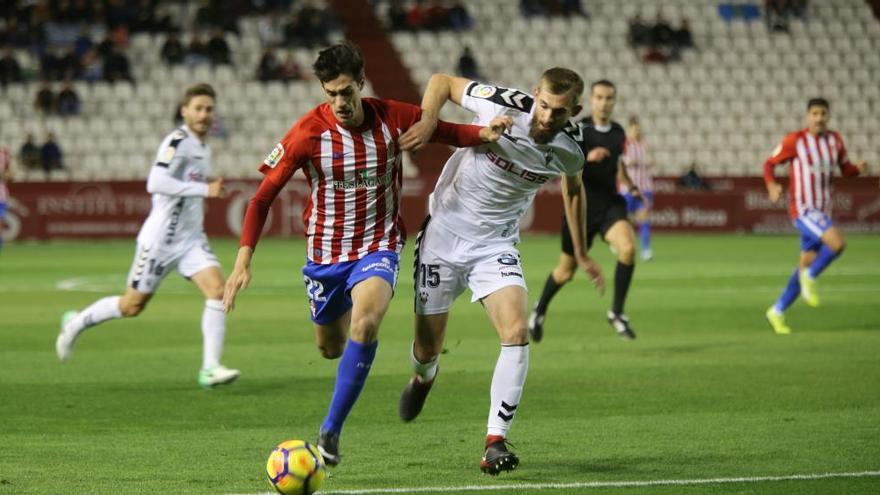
<point>440,89</point>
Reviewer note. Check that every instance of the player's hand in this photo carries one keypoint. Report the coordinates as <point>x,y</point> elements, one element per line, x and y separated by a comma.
<point>594,272</point>
<point>598,154</point>
<point>216,189</point>
<point>239,278</point>
<point>774,191</point>
<point>496,128</point>
<point>417,136</point>
<point>862,165</point>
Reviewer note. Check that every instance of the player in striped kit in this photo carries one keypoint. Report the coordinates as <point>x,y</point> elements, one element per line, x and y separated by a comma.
<point>638,167</point>
<point>812,153</point>
<point>5,176</point>
<point>172,237</point>
<point>347,148</point>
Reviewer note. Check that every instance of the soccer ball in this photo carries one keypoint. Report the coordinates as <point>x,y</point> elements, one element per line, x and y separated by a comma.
<point>296,468</point>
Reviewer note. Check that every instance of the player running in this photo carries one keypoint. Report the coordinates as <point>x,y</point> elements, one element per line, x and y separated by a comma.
<point>638,168</point>
<point>468,239</point>
<point>348,150</point>
<point>606,211</point>
<point>172,237</point>
<point>812,152</point>
<point>5,177</point>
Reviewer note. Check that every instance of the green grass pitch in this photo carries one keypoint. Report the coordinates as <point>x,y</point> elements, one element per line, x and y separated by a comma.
<point>707,390</point>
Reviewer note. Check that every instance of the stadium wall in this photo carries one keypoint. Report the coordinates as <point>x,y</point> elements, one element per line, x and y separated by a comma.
<point>116,209</point>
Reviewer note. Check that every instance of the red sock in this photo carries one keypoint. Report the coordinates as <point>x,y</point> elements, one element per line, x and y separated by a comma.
<point>490,439</point>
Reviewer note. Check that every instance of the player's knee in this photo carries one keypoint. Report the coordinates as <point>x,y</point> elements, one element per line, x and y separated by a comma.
<point>626,252</point>
<point>563,274</point>
<point>331,350</point>
<point>515,334</point>
<point>131,309</point>
<point>365,328</point>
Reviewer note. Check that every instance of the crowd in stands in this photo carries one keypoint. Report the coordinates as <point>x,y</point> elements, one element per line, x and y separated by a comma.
<point>778,13</point>
<point>434,16</point>
<point>47,157</point>
<point>660,42</point>
<point>65,102</point>
<point>566,8</point>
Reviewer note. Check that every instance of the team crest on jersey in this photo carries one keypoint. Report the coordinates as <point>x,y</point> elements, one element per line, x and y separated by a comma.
<point>483,91</point>
<point>275,156</point>
<point>168,154</point>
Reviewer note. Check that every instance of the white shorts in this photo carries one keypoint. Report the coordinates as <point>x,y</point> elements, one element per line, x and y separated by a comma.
<point>153,261</point>
<point>446,264</point>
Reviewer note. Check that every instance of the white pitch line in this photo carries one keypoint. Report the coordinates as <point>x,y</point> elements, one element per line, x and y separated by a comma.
<point>598,484</point>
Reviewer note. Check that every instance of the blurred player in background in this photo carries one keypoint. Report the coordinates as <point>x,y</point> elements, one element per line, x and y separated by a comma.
<point>172,237</point>
<point>811,153</point>
<point>606,211</point>
<point>469,237</point>
<point>638,168</point>
<point>348,150</point>
<point>5,177</point>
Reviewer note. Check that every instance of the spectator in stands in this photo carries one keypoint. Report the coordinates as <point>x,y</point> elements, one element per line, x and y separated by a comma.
<point>51,65</point>
<point>290,69</point>
<point>173,52</point>
<point>459,18</point>
<point>197,52</point>
<point>662,34</point>
<point>29,154</point>
<point>51,155</point>
<point>776,15</point>
<point>530,8</point>
<point>71,65</point>
<point>417,15</point>
<point>10,69</point>
<point>117,66</point>
<point>83,41</point>
<point>45,101</point>
<point>68,100</point>
<point>218,49</point>
<point>691,179</point>
<point>436,16</point>
<point>639,32</point>
<point>573,7</point>
<point>105,47</point>
<point>682,36</point>
<point>397,16</point>
<point>467,65</point>
<point>315,25</point>
<point>269,68</point>
<point>93,68</point>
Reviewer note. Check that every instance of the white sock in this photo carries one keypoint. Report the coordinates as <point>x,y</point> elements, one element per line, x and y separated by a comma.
<point>425,371</point>
<point>507,386</point>
<point>213,332</point>
<point>99,312</point>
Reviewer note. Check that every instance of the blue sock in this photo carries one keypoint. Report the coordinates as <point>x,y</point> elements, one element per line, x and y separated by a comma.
<point>645,235</point>
<point>354,366</point>
<point>823,259</point>
<point>791,292</point>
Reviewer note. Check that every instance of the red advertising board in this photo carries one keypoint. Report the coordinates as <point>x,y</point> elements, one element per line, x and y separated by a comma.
<point>117,209</point>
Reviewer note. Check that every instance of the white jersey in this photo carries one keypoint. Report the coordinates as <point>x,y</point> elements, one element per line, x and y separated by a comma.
<point>178,184</point>
<point>483,191</point>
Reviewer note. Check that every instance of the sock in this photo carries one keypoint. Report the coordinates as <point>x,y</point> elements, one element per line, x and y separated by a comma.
<point>354,366</point>
<point>99,312</point>
<point>790,293</point>
<point>645,235</point>
<point>823,259</point>
<point>425,371</point>
<point>507,386</point>
<point>550,290</point>
<point>213,331</point>
<point>623,275</point>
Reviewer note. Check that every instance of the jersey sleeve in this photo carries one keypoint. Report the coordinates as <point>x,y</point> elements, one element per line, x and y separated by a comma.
<point>290,154</point>
<point>782,154</point>
<point>166,174</point>
<point>489,102</point>
<point>405,115</point>
<point>847,169</point>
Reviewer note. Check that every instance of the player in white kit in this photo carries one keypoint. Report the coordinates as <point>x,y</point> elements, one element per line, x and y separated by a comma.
<point>469,237</point>
<point>172,237</point>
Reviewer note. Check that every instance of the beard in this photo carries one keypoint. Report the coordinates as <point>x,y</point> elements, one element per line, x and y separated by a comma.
<point>539,135</point>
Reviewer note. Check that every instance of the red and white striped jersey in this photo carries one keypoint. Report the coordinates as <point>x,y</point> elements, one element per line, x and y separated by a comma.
<point>5,166</point>
<point>355,177</point>
<point>635,158</point>
<point>811,158</point>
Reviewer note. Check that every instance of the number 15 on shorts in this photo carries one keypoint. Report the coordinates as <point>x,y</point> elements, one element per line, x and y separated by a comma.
<point>428,275</point>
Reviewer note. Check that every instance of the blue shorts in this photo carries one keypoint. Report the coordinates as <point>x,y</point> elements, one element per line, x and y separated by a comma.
<point>634,204</point>
<point>2,209</point>
<point>329,286</point>
<point>812,224</point>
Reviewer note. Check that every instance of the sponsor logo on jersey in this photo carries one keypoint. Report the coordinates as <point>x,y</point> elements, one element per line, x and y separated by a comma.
<point>509,166</point>
<point>511,274</point>
<point>275,156</point>
<point>483,91</point>
<point>362,181</point>
<point>508,259</point>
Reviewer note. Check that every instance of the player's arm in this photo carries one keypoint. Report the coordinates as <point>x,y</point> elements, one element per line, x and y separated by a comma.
<point>624,178</point>
<point>848,168</point>
<point>574,200</point>
<point>782,154</point>
<point>466,135</point>
<point>440,89</point>
<point>163,177</point>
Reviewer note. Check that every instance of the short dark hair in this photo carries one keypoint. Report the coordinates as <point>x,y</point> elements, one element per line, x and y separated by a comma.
<point>561,81</point>
<point>342,58</point>
<point>200,89</point>
<point>818,102</point>
<point>603,82</point>
<point>634,120</point>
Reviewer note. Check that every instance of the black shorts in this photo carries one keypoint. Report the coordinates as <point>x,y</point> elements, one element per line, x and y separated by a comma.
<point>600,217</point>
